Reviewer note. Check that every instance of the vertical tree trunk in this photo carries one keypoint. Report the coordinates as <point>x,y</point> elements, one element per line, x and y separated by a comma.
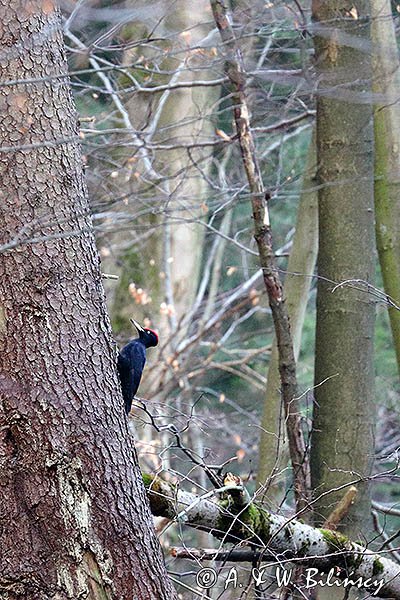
<point>386,85</point>
<point>173,117</point>
<point>273,455</point>
<point>343,430</point>
<point>234,69</point>
<point>74,521</point>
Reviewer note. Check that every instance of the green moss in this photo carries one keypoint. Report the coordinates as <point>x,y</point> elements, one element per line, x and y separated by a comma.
<point>147,479</point>
<point>160,494</point>
<point>252,513</point>
<point>377,567</point>
<point>338,542</point>
<point>253,519</point>
<point>335,540</point>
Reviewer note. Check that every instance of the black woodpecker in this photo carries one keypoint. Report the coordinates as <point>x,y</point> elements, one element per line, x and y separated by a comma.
<point>131,361</point>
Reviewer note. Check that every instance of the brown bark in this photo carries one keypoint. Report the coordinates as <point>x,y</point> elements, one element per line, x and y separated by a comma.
<point>342,509</point>
<point>74,521</point>
<point>263,237</point>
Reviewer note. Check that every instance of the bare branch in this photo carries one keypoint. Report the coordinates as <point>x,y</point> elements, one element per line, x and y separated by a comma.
<point>259,198</point>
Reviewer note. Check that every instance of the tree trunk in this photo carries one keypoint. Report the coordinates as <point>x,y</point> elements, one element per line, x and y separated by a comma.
<point>74,521</point>
<point>386,85</point>
<point>343,430</point>
<point>172,117</point>
<point>273,455</point>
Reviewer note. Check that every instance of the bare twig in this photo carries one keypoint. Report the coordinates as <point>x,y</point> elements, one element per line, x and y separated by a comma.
<point>342,508</point>
<point>233,555</point>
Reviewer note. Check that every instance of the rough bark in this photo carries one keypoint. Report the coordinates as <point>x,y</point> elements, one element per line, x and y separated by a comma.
<point>233,517</point>
<point>300,268</point>
<point>343,428</point>
<point>386,86</point>
<point>74,521</point>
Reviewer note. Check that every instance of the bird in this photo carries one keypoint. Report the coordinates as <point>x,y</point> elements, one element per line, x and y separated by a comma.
<point>131,361</point>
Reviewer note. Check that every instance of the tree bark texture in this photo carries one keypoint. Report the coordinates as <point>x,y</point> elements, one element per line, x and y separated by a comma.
<point>343,429</point>
<point>74,521</point>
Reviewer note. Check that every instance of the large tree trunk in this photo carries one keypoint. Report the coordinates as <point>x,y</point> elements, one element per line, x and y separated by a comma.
<point>343,430</point>
<point>74,521</point>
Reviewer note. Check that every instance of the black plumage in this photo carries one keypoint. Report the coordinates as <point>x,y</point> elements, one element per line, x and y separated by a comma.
<point>131,361</point>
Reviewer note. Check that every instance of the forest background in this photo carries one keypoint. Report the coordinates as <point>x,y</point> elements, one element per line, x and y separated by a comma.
<point>201,126</point>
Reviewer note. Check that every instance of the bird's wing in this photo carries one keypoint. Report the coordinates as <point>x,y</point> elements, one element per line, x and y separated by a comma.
<point>131,361</point>
<point>125,377</point>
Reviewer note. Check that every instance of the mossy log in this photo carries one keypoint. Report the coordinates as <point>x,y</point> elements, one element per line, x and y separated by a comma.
<point>229,514</point>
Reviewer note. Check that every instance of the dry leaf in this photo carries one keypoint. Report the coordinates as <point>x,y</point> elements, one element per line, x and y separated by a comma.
<point>104,252</point>
<point>353,12</point>
<point>223,135</point>
<point>240,454</point>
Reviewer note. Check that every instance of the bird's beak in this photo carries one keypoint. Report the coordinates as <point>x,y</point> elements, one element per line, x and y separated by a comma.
<point>136,324</point>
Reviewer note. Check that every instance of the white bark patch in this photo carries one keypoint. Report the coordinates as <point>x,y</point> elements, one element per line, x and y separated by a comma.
<point>3,320</point>
<point>75,510</point>
<point>75,504</point>
<point>73,588</point>
<point>64,581</point>
<point>266,220</point>
<point>291,538</point>
<point>94,563</point>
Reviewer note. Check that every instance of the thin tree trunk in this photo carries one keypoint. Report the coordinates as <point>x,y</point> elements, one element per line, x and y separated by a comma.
<point>386,85</point>
<point>263,236</point>
<point>343,428</point>
<point>273,449</point>
<point>74,521</point>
